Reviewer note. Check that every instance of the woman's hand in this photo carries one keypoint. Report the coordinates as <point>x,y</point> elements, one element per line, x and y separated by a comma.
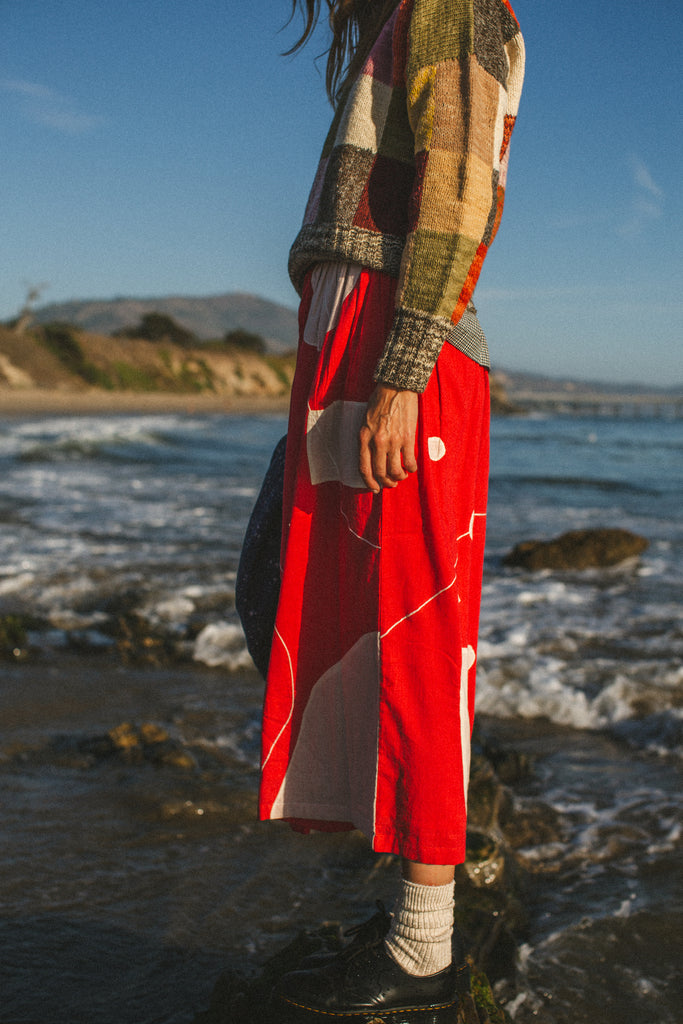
<point>387,440</point>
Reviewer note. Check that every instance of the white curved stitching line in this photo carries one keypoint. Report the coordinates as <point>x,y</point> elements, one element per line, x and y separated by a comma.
<point>470,531</point>
<point>443,590</point>
<point>291,710</point>
<point>416,610</point>
<point>378,547</point>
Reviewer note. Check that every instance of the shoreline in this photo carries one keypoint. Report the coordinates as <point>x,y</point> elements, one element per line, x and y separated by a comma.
<point>27,402</point>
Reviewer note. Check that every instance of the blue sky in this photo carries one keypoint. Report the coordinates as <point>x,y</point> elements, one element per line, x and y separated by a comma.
<point>158,147</point>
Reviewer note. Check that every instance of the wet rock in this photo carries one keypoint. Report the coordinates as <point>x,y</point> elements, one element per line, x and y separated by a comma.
<point>138,643</point>
<point>151,733</point>
<point>483,793</point>
<point>577,549</point>
<point>486,860</point>
<point>200,779</point>
<point>491,917</point>
<point>481,998</point>
<point>125,743</point>
<point>535,824</point>
<point>125,737</point>
<point>509,765</point>
<point>13,637</point>
<point>150,743</point>
<point>501,403</point>
<point>487,799</point>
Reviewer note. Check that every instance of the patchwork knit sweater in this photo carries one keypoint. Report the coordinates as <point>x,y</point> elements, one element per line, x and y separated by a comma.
<point>412,175</point>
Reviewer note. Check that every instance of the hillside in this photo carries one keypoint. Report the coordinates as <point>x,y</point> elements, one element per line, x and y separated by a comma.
<point>207,317</point>
<point>76,361</point>
<point>70,361</point>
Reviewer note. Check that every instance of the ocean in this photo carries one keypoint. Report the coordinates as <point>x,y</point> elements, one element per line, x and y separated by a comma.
<point>127,886</point>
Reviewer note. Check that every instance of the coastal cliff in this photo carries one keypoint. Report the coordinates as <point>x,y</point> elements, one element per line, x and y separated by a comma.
<point>65,359</point>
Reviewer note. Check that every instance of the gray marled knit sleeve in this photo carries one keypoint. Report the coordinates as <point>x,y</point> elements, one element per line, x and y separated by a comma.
<point>411,349</point>
<point>416,340</point>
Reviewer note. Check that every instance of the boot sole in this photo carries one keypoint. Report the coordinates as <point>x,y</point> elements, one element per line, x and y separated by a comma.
<point>439,1013</point>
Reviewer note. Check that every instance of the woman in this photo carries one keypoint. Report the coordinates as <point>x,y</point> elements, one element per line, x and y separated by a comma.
<point>370,691</point>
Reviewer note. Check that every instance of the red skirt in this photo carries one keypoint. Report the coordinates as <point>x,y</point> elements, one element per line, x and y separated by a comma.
<point>370,694</point>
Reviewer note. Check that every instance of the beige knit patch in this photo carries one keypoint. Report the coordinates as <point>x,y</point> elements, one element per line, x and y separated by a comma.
<point>457,194</point>
<point>365,115</point>
<point>466,119</point>
<point>516,56</point>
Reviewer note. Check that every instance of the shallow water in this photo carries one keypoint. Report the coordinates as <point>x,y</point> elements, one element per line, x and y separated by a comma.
<point>125,888</point>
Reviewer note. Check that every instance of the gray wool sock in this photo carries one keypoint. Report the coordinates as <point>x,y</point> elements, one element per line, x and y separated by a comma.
<point>419,939</point>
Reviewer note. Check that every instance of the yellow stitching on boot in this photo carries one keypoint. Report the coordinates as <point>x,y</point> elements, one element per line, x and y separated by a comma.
<point>357,1013</point>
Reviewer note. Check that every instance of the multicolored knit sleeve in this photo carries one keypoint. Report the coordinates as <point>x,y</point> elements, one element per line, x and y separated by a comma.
<point>464,66</point>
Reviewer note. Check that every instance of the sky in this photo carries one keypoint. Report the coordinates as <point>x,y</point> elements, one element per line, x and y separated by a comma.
<point>166,147</point>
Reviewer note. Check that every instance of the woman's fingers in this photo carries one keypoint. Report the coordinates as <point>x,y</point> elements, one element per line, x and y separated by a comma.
<point>394,467</point>
<point>387,439</point>
<point>408,458</point>
<point>365,462</point>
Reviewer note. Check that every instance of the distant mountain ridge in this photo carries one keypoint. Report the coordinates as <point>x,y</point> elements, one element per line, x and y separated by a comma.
<point>207,317</point>
<point>521,382</point>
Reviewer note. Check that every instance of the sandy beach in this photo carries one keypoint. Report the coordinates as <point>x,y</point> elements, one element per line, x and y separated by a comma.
<point>92,402</point>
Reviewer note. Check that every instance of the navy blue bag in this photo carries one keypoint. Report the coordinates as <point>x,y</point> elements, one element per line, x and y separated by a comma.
<point>257,588</point>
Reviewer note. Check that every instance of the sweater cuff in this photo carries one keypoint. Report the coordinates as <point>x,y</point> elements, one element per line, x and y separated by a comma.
<point>411,350</point>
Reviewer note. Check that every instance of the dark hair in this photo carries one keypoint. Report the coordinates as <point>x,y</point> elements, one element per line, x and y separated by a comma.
<point>355,24</point>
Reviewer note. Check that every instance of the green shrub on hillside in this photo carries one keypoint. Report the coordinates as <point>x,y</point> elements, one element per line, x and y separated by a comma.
<point>245,340</point>
<point>159,327</point>
<point>195,375</point>
<point>137,378</point>
<point>283,367</point>
<point>61,340</point>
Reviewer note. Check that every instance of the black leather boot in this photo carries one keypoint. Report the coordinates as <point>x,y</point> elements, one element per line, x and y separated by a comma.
<point>364,985</point>
<point>359,935</point>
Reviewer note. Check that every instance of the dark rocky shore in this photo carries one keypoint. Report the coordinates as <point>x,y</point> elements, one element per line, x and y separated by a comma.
<point>490,913</point>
